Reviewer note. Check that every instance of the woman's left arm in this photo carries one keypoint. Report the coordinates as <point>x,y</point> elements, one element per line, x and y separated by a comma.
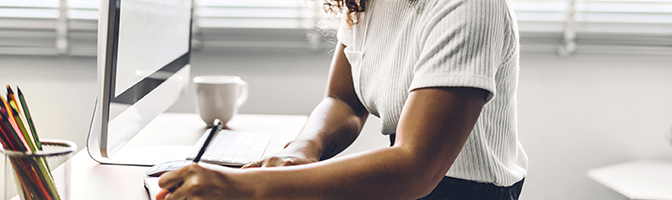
<point>434,125</point>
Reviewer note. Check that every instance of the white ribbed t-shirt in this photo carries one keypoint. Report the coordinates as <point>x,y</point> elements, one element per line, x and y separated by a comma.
<point>402,45</point>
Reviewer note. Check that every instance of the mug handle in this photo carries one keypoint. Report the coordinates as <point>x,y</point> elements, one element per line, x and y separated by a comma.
<point>242,97</point>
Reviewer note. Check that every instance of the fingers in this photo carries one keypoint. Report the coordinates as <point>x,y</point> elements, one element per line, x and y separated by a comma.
<point>251,165</point>
<point>185,190</point>
<point>277,161</point>
<point>182,183</point>
<point>162,195</point>
<point>171,180</point>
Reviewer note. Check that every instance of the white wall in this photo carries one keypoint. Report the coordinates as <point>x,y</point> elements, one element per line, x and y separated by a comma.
<point>61,92</point>
<point>575,113</point>
<point>583,112</point>
<point>280,83</point>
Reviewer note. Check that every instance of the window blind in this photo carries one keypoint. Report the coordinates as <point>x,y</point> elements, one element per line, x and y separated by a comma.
<point>82,26</point>
<point>595,26</point>
<point>68,27</point>
<point>28,27</point>
<point>540,15</point>
<point>253,14</point>
<point>614,26</point>
<point>222,24</point>
<point>620,16</point>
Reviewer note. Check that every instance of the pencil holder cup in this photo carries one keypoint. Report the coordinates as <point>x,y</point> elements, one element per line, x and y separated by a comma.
<point>43,174</point>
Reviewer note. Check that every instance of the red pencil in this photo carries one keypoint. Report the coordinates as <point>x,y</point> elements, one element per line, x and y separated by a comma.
<point>30,170</point>
<point>19,118</point>
<point>10,141</point>
<point>7,143</point>
<point>12,122</point>
<point>10,134</point>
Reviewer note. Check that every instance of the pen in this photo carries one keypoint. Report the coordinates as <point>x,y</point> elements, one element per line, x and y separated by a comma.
<point>218,126</point>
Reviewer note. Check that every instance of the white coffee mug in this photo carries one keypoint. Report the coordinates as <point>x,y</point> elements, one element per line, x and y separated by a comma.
<point>219,97</point>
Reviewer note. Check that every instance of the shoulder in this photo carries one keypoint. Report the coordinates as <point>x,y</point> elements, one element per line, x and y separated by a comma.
<point>467,22</point>
<point>461,12</point>
<point>482,6</point>
<point>344,35</point>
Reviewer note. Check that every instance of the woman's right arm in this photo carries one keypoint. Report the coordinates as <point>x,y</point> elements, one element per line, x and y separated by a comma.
<point>332,126</point>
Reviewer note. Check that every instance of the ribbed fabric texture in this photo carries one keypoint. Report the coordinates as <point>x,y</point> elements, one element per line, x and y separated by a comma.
<point>402,45</point>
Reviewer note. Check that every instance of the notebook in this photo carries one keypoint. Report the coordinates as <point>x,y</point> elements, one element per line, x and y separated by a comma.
<point>232,148</point>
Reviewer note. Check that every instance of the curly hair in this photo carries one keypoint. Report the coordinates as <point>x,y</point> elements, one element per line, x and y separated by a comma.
<point>351,9</point>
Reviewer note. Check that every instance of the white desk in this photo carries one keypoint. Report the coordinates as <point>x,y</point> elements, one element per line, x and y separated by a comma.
<point>91,180</point>
<point>640,179</point>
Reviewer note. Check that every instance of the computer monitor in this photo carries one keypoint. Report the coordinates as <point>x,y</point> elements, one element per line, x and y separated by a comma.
<point>143,68</point>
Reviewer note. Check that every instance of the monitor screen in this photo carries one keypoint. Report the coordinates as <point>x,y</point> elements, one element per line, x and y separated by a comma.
<point>152,34</point>
<point>143,68</point>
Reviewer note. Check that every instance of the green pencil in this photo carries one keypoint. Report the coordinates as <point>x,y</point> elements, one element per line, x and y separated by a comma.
<point>17,117</point>
<point>29,118</point>
<point>44,181</point>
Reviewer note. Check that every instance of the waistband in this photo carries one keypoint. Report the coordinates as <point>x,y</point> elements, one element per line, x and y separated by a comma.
<point>459,189</point>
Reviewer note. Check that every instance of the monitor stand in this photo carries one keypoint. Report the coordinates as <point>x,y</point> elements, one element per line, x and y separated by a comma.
<point>146,155</point>
<point>169,137</point>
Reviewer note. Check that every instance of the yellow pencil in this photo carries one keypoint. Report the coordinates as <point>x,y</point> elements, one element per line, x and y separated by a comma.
<point>19,119</point>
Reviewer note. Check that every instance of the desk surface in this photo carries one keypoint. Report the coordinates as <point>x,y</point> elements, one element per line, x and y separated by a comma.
<point>640,179</point>
<point>91,180</point>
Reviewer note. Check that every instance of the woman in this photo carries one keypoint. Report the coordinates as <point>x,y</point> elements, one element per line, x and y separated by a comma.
<point>441,75</point>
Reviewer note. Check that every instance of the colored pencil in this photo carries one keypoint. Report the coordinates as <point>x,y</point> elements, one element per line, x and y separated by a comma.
<point>9,140</point>
<point>12,121</point>
<point>29,118</point>
<point>9,129</point>
<point>17,133</point>
<point>45,172</point>
<point>18,117</point>
<point>27,179</point>
<point>4,138</point>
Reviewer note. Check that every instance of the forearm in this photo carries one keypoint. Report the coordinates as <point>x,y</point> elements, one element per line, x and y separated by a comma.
<point>331,127</point>
<point>389,173</point>
<point>431,134</point>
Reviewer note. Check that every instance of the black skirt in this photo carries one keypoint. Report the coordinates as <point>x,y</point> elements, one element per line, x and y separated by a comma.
<point>459,189</point>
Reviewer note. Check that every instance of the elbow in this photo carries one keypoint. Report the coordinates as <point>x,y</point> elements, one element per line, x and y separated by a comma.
<point>420,179</point>
<point>425,174</point>
<point>424,185</point>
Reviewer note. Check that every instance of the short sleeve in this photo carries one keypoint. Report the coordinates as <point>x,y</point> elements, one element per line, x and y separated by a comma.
<point>461,46</point>
<point>344,35</point>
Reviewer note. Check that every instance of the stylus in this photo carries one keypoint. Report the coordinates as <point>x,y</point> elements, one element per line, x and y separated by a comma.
<point>218,126</point>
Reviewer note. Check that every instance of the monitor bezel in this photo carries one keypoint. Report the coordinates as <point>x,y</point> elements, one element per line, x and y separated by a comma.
<point>108,41</point>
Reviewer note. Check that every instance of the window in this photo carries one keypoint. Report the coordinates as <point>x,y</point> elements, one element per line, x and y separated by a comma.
<point>595,26</point>
<point>28,27</point>
<point>68,27</point>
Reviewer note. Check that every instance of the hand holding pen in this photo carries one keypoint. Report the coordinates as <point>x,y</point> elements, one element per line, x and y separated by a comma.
<point>217,126</point>
<point>161,168</point>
